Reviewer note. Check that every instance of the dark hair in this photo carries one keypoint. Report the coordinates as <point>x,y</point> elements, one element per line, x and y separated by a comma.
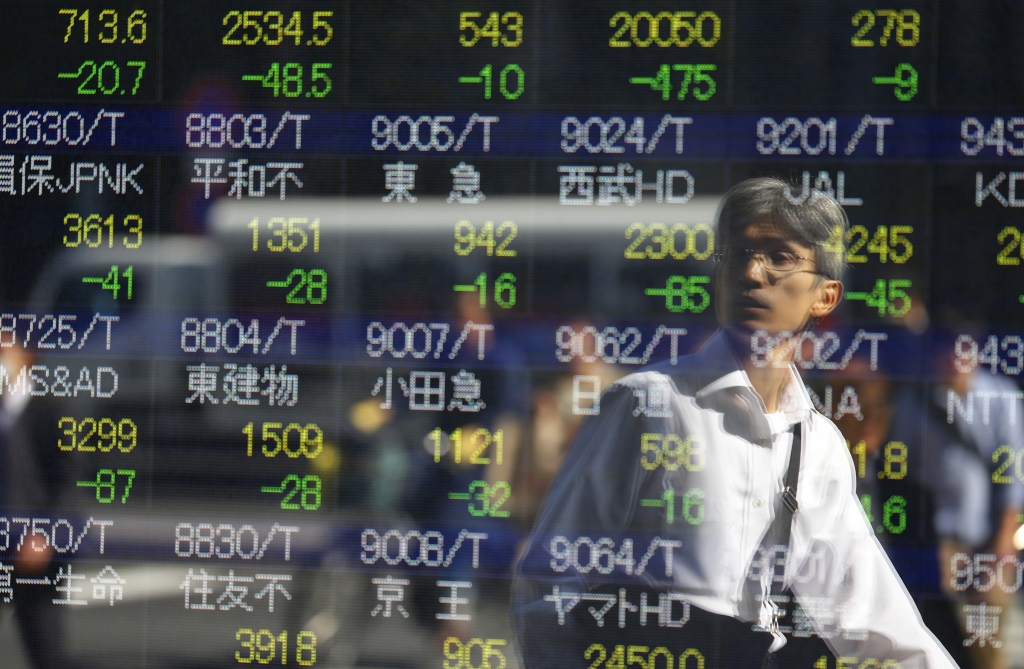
<point>813,221</point>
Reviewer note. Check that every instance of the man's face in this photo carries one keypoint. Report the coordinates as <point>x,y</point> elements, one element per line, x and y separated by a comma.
<point>752,297</point>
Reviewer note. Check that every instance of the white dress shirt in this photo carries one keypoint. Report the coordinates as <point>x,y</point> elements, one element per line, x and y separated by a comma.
<point>850,594</point>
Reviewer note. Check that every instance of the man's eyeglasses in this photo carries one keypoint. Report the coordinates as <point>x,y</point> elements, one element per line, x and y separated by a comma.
<point>779,261</point>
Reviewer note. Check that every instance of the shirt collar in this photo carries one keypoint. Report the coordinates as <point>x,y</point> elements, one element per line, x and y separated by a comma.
<point>717,357</point>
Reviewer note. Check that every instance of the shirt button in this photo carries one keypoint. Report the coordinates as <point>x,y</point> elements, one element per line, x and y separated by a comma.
<point>758,502</point>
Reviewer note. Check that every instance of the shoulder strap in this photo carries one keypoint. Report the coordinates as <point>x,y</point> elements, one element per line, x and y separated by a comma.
<point>784,519</point>
<point>782,526</point>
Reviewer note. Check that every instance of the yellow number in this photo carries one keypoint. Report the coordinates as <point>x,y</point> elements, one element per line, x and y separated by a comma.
<point>631,252</point>
<point>450,654</point>
<point>858,38</point>
<point>835,241</point>
<point>228,40</point>
<point>627,20</point>
<point>294,28</point>
<point>691,241</point>
<point>675,451</point>
<point>914,26</point>
<point>137,18</point>
<point>1002,258</point>
<point>485,441</point>
<point>997,475</point>
<point>890,23</point>
<point>269,649</point>
<point>664,652</point>
<point>716,30</point>
<point>649,444</point>
<point>68,432</point>
<point>88,227</point>
<point>490,29</point>
<point>267,434</point>
<point>318,23</point>
<point>851,252</point>
<point>294,230</point>
<point>896,238</point>
<point>317,441</point>
<point>633,32</point>
<point>672,451</point>
<point>502,249</point>
<point>464,24</point>
<point>467,239</point>
<point>281,234</point>
<point>633,656</point>
<point>895,454</point>
<point>694,453</point>
<point>486,237</point>
<point>687,654</point>
<point>906,23</point>
<point>861,451</point>
<point>109,435</point>
<point>132,435</point>
<point>112,24</point>
<point>304,647</point>
<point>602,654</point>
<point>77,229</point>
<point>73,13</point>
<point>124,434</point>
<point>245,644</point>
<point>617,660</point>
<point>133,230</point>
<point>298,429</point>
<point>880,243</point>
<point>516,28</point>
<point>678,22</point>
<point>250,19</point>
<point>82,445</point>
<point>659,235</point>
<point>275,26</point>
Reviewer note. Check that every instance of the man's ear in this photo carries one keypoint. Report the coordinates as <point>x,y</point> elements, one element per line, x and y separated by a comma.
<point>830,293</point>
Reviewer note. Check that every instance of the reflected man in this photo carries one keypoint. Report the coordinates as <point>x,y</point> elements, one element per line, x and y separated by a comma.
<point>692,463</point>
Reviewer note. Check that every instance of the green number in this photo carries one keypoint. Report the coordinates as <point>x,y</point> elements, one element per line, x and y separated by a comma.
<point>662,81</point>
<point>896,292</point>
<point>307,487</point>
<point>484,78</point>
<point>112,282</point>
<point>505,290</point>
<point>105,486</point>
<point>316,280</point>
<point>272,80</point>
<point>906,86</point>
<point>129,275</point>
<point>141,64</point>
<point>130,473</point>
<point>285,503</point>
<point>293,77</point>
<point>502,490</point>
<point>483,497</point>
<point>479,284</point>
<point>895,506</point>
<point>503,81</point>
<point>117,78</point>
<point>320,76</point>
<point>693,506</point>
<point>311,486</point>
